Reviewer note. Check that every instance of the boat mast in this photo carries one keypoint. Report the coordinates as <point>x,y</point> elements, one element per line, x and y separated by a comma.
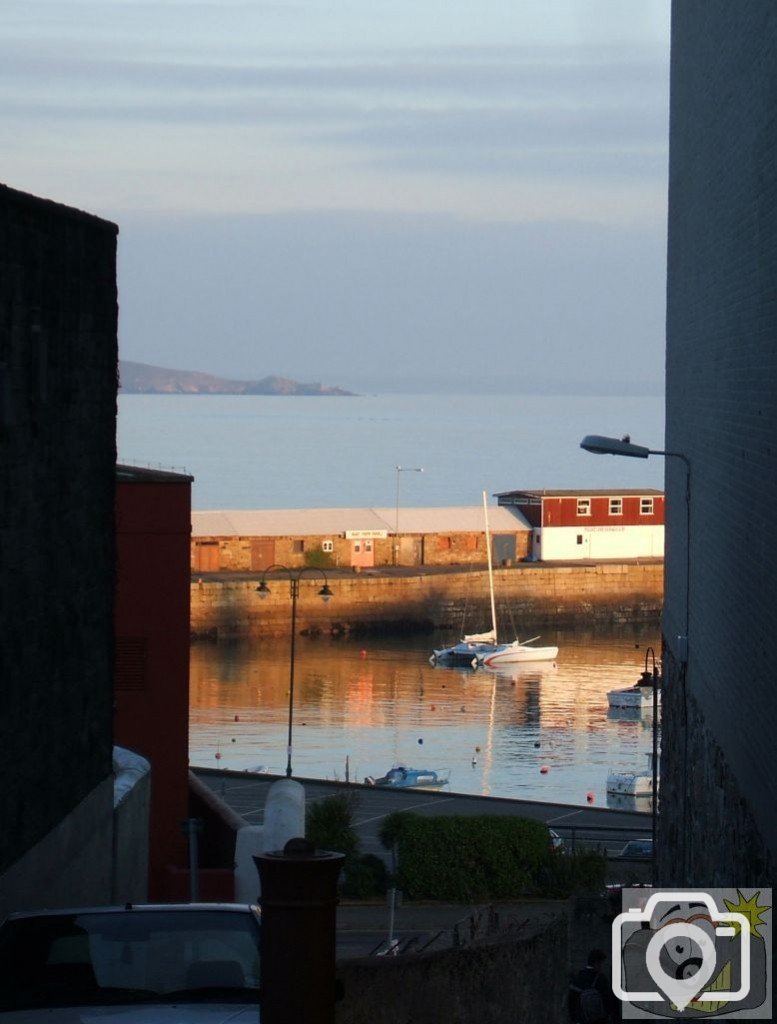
<point>490,569</point>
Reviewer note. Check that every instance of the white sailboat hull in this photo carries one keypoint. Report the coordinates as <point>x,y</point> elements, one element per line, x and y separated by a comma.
<point>518,653</point>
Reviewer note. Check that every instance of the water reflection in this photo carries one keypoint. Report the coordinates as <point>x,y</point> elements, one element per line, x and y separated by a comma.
<point>380,702</point>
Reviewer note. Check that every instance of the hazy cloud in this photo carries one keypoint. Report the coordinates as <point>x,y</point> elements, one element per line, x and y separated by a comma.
<point>370,301</point>
<point>515,133</point>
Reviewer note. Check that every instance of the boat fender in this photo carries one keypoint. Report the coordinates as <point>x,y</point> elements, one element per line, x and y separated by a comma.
<point>369,781</point>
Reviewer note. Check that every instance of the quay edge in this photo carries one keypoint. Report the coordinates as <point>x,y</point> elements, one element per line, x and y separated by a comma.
<point>417,599</point>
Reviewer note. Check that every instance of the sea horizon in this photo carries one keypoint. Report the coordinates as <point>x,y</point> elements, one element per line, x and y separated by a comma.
<point>309,451</point>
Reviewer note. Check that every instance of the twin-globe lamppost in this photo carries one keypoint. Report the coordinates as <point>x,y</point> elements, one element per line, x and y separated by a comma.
<point>600,445</point>
<point>294,577</point>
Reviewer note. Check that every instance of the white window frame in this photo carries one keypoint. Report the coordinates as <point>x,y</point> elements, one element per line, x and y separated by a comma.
<point>646,506</point>
<point>616,506</point>
<point>584,506</point>
<point>328,546</point>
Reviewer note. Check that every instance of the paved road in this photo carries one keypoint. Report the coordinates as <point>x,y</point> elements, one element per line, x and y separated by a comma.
<point>246,793</point>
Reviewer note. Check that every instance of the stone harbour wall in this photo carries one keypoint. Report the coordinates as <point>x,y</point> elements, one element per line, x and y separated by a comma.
<point>528,595</point>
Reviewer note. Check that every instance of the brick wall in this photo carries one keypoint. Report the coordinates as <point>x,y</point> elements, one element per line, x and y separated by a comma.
<point>58,358</point>
<point>721,413</point>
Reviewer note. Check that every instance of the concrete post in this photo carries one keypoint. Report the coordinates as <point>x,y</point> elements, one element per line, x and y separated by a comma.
<point>297,953</point>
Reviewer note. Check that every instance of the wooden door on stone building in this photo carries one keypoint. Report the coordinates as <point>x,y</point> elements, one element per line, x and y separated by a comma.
<point>262,553</point>
<point>206,556</point>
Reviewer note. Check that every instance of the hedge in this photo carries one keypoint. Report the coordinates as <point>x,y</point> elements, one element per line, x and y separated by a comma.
<point>466,859</point>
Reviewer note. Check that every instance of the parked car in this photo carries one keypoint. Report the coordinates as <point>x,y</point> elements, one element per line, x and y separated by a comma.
<point>145,963</point>
<point>638,848</point>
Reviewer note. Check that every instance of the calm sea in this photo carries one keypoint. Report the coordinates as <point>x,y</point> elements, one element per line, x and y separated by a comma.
<point>289,452</point>
<point>382,703</point>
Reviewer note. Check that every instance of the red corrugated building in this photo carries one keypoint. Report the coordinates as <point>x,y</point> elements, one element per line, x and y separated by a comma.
<point>153,526</point>
<point>596,524</point>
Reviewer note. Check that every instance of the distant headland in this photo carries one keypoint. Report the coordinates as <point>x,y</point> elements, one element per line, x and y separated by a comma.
<point>143,379</point>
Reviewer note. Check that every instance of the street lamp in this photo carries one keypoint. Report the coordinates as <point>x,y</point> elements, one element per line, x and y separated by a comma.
<point>324,593</point>
<point>623,446</point>
<point>401,469</point>
<point>600,445</point>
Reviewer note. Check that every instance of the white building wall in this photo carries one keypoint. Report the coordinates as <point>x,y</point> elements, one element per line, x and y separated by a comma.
<point>560,543</point>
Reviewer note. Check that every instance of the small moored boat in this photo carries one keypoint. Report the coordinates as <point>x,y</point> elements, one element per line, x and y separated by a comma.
<point>402,777</point>
<point>633,783</point>
<point>645,690</point>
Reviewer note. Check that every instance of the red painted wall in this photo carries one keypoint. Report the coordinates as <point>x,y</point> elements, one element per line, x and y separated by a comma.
<point>563,512</point>
<point>153,517</point>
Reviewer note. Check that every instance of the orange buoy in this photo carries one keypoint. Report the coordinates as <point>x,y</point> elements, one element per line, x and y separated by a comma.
<point>544,770</point>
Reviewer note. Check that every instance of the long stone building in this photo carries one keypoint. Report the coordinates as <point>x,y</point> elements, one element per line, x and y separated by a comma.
<point>525,526</point>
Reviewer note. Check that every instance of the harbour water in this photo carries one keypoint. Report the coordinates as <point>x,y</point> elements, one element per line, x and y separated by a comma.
<point>379,703</point>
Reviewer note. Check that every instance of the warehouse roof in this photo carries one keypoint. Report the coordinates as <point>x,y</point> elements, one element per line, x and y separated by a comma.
<point>300,522</point>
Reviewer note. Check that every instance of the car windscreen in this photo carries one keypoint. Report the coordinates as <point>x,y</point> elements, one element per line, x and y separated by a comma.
<point>128,956</point>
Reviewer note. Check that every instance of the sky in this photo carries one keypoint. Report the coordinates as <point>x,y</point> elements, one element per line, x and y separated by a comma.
<point>414,195</point>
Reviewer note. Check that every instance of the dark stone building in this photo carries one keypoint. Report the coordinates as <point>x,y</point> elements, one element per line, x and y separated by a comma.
<point>58,359</point>
<point>718,770</point>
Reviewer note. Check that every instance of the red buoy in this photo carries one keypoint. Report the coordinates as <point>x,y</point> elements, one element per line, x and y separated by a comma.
<point>544,770</point>
<point>589,797</point>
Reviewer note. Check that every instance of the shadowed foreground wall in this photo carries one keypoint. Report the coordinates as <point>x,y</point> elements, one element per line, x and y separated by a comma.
<point>58,321</point>
<point>718,771</point>
<point>521,978</point>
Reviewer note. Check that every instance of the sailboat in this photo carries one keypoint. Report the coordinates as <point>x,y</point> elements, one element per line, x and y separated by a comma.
<point>478,649</point>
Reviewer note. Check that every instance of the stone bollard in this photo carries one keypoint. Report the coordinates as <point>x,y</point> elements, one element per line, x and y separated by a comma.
<point>297,949</point>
